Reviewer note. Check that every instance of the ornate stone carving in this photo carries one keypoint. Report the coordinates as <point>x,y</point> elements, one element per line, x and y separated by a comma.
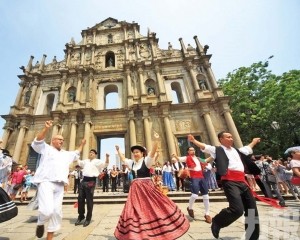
<point>183,125</point>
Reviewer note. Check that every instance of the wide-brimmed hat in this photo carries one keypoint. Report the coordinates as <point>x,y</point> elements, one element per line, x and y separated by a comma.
<point>142,149</point>
<point>6,152</point>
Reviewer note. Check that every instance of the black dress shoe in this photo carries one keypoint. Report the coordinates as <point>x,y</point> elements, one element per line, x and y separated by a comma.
<point>39,231</point>
<point>215,229</point>
<point>79,220</point>
<point>86,223</point>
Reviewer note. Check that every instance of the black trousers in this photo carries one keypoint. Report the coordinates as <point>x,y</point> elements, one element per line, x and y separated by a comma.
<point>114,184</point>
<point>86,194</point>
<point>105,184</point>
<point>241,202</point>
<point>76,184</point>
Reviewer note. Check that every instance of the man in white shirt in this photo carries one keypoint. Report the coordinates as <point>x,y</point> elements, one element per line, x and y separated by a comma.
<point>77,173</point>
<point>91,168</point>
<point>5,167</point>
<point>177,167</point>
<point>50,177</point>
<point>231,164</point>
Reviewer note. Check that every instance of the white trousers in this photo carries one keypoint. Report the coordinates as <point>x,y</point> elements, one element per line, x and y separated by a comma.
<point>50,197</point>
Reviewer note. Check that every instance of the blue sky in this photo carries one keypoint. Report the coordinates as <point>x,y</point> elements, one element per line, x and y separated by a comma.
<point>238,32</point>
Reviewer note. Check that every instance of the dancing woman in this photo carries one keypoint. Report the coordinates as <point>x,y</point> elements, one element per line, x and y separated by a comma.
<point>148,214</point>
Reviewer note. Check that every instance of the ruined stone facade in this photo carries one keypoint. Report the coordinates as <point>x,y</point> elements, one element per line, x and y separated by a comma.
<point>171,91</point>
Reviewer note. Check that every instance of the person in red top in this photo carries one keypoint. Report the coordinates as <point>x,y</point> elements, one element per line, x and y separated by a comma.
<point>16,182</point>
<point>198,182</point>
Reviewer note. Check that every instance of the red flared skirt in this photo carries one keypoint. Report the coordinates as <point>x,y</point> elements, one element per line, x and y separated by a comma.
<point>148,214</point>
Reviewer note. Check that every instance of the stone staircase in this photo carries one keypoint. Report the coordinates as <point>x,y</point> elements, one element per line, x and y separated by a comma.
<point>120,197</point>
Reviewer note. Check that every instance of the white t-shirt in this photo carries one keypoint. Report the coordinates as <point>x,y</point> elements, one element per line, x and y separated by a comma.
<point>92,168</point>
<point>235,162</point>
<point>54,164</point>
<point>295,163</point>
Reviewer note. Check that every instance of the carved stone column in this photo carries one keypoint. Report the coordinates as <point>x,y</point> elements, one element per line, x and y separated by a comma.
<point>125,32</point>
<point>29,65</point>
<point>137,51</point>
<point>41,68</point>
<point>161,86</point>
<point>169,135</point>
<point>72,140</point>
<point>193,76</point>
<point>141,78</point>
<point>78,90</point>
<point>84,38</point>
<point>126,52</point>
<point>94,37</point>
<point>63,88</point>
<point>182,46</point>
<point>68,58</point>
<point>93,55</point>
<point>153,49</point>
<point>82,60</point>
<point>19,143</point>
<point>134,31</point>
<point>129,88</point>
<point>232,129</point>
<point>90,93</point>
<point>33,91</point>
<point>147,133</point>
<point>199,46</point>
<point>211,76</point>
<point>6,134</point>
<point>20,93</point>
<point>86,147</point>
<point>210,128</point>
<point>132,131</point>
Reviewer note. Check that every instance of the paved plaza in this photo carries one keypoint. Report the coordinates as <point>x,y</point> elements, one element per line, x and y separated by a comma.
<point>275,223</point>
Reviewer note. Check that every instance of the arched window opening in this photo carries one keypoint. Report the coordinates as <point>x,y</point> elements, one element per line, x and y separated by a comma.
<point>176,93</point>
<point>49,103</point>
<point>150,87</point>
<point>110,60</point>
<point>110,38</point>
<point>111,97</point>
<point>71,94</point>
<point>27,97</point>
<point>202,82</point>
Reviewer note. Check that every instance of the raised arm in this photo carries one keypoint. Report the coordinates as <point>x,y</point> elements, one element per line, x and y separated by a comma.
<point>42,134</point>
<point>254,142</point>
<point>197,143</point>
<point>121,155</point>
<point>80,147</point>
<point>209,159</point>
<point>154,144</point>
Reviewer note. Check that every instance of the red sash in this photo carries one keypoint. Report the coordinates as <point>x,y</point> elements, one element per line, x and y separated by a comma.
<point>295,180</point>
<point>238,176</point>
<point>191,164</point>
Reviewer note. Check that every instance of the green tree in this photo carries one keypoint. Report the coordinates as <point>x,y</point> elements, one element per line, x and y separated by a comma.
<point>259,98</point>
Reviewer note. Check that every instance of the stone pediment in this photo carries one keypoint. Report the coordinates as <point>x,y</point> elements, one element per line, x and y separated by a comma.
<point>107,24</point>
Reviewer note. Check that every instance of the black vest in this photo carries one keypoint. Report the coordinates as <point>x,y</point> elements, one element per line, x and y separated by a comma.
<point>143,172</point>
<point>222,162</point>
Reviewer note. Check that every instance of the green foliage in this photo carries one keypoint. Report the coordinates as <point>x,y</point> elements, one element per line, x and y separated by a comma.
<point>259,98</point>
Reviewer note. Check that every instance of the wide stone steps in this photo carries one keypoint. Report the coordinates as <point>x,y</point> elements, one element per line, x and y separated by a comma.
<point>121,197</point>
